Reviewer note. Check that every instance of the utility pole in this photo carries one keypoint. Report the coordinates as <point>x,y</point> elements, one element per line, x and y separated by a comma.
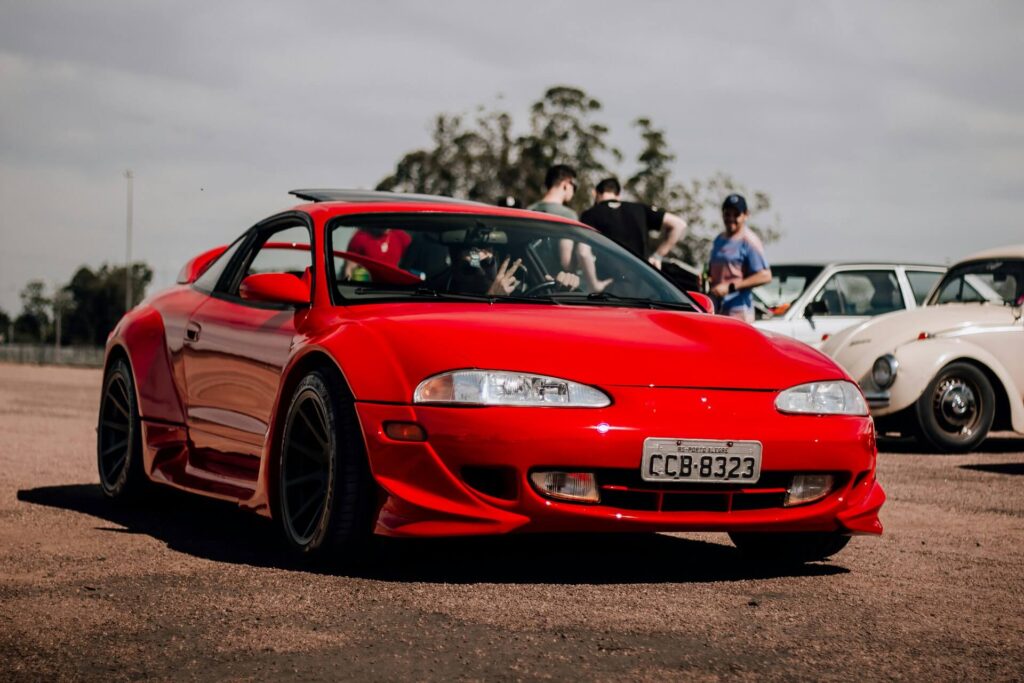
<point>129,176</point>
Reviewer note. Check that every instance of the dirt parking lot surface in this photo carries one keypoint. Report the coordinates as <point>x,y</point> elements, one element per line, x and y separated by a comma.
<point>184,588</point>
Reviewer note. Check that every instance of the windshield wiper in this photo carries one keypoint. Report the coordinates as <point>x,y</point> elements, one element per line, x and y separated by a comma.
<point>608,298</point>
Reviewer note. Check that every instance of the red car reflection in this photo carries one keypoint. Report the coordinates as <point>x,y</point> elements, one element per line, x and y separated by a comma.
<point>462,369</point>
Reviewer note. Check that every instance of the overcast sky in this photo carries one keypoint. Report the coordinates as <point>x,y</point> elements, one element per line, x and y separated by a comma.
<point>881,130</point>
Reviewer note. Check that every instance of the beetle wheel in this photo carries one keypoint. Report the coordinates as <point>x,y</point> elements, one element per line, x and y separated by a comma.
<point>957,408</point>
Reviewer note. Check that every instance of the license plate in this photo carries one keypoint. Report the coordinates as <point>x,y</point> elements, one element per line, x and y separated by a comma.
<point>724,462</point>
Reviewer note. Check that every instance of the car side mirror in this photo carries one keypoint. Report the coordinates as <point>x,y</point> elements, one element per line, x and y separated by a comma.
<point>704,301</point>
<point>275,288</point>
<point>815,308</point>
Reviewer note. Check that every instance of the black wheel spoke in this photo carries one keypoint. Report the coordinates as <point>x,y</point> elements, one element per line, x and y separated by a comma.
<point>305,479</point>
<point>319,457</point>
<point>315,498</point>
<point>116,426</point>
<point>317,433</point>
<point>313,520</point>
<point>115,447</point>
<point>116,467</point>
<point>117,404</point>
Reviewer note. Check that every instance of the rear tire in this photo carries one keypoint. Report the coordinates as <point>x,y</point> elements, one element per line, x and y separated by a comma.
<point>325,489</point>
<point>789,548</point>
<point>956,410</point>
<point>119,436</point>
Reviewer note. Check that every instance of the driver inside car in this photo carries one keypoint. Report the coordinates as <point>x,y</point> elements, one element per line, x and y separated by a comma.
<point>475,270</point>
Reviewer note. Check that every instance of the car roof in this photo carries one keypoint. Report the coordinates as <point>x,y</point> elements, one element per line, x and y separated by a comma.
<point>336,202</point>
<point>1009,251</point>
<point>859,264</point>
<point>348,195</point>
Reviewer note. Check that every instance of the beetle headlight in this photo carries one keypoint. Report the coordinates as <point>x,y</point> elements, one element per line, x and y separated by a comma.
<point>822,398</point>
<point>883,372</point>
<point>500,388</point>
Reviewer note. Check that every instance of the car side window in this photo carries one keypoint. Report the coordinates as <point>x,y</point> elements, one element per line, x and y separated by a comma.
<point>861,292</point>
<point>921,282</point>
<point>285,249</point>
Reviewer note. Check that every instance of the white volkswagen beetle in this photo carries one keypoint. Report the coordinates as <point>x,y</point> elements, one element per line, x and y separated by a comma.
<point>953,370</point>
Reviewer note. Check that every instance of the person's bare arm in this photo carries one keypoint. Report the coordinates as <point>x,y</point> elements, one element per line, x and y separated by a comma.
<point>672,230</point>
<point>588,264</point>
<point>761,277</point>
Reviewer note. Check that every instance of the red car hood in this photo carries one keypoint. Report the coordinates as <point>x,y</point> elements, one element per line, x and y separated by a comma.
<point>597,345</point>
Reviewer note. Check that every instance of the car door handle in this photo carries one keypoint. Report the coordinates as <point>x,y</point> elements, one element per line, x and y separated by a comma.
<point>192,332</point>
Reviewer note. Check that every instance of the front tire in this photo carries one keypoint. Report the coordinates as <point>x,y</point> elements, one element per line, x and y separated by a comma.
<point>119,436</point>
<point>780,549</point>
<point>956,410</point>
<point>325,493</point>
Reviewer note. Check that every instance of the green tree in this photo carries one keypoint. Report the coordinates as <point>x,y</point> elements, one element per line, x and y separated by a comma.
<point>33,324</point>
<point>5,326</point>
<point>479,158</point>
<point>96,301</point>
<point>482,161</point>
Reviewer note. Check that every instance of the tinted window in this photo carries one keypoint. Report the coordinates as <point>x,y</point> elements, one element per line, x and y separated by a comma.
<point>378,257</point>
<point>207,282</point>
<point>921,282</point>
<point>861,292</point>
<point>285,249</point>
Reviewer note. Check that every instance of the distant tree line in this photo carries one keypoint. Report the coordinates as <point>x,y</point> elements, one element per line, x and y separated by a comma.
<point>481,157</point>
<point>82,312</point>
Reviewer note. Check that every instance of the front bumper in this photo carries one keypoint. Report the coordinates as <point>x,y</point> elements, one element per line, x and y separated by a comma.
<point>429,491</point>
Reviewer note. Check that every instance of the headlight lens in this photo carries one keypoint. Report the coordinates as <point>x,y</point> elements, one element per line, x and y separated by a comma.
<point>500,388</point>
<point>822,398</point>
<point>883,372</point>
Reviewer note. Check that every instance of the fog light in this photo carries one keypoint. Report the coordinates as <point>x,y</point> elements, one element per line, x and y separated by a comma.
<point>807,488</point>
<point>405,431</point>
<point>577,486</point>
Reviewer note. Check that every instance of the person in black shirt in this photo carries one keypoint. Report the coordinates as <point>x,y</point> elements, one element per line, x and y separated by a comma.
<point>629,222</point>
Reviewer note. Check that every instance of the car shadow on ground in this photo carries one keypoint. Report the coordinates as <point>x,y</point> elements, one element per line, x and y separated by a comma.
<point>997,467</point>
<point>993,444</point>
<point>219,531</point>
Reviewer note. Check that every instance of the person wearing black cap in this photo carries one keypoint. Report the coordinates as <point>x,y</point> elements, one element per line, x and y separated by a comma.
<point>737,262</point>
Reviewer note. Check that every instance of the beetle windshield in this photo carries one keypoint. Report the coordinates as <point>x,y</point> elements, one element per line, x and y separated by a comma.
<point>453,256</point>
<point>997,281</point>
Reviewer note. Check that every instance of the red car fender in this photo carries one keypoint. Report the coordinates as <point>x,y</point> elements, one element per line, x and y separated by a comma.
<point>140,335</point>
<point>370,371</point>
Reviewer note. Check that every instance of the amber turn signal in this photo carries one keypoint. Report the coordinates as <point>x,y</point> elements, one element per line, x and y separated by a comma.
<point>405,431</point>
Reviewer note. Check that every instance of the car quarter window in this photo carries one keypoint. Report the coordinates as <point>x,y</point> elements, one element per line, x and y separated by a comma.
<point>861,292</point>
<point>283,248</point>
<point>921,283</point>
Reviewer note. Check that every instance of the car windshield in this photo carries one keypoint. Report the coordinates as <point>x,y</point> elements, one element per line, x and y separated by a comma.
<point>996,281</point>
<point>459,257</point>
<point>786,285</point>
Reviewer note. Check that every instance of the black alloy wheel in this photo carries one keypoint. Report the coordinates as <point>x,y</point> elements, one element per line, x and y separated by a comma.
<point>956,410</point>
<point>118,435</point>
<point>782,549</point>
<point>325,492</point>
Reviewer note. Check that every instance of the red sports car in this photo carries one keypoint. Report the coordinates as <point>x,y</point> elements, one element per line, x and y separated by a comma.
<point>419,366</point>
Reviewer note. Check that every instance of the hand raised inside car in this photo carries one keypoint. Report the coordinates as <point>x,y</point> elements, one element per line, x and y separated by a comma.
<point>505,281</point>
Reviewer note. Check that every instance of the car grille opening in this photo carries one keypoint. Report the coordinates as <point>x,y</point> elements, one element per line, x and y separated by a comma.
<point>624,489</point>
<point>496,482</point>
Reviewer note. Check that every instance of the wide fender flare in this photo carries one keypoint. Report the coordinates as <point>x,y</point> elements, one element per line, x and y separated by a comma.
<point>140,335</point>
<point>366,364</point>
<point>921,360</point>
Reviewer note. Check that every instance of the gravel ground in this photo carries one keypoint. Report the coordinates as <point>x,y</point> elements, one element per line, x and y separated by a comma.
<point>184,588</point>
